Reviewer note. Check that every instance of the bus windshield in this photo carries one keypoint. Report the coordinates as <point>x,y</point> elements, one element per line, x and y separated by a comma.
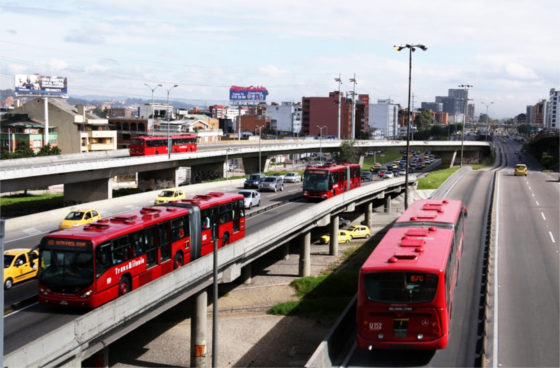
<point>137,142</point>
<point>66,271</point>
<point>400,287</point>
<point>316,180</point>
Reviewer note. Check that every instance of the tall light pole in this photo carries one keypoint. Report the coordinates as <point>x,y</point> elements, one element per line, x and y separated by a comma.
<point>353,107</point>
<point>169,146</point>
<point>487,130</point>
<point>260,129</point>
<point>227,163</point>
<point>411,48</point>
<point>339,103</point>
<point>153,118</point>
<point>321,142</point>
<point>466,101</point>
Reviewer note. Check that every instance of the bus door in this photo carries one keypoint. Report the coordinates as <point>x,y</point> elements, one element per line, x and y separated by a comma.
<point>164,244</point>
<point>180,238</point>
<point>235,216</point>
<point>209,231</point>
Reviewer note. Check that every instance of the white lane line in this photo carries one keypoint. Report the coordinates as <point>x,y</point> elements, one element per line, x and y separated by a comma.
<point>533,194</point>
<point>350,353</point>
<point>19,310</point>
<point>551,237</point>
<point>495,344</point>
<point>260,214</point>
<point>32,231</point>
<point>537,203</point>
<point>295,190</point>
<point>544,218</point>
<point>272,195</point>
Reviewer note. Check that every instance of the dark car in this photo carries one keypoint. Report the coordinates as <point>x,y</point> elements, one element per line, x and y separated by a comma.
<point>254,181</point>
<point>396,172</point>
<point>367,176</point>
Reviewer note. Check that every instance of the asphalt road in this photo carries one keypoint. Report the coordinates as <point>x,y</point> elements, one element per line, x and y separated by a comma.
<point>526,292</point>
<point>471,189</point>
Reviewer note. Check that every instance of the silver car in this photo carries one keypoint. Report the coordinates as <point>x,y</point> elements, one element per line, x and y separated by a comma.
<point>250,198</point>
<point>292,177</point>
<point>272,183</point>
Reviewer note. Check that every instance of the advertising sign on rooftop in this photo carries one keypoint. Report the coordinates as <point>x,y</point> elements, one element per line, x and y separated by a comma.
<point>32,84</point>
<point>247,93</point>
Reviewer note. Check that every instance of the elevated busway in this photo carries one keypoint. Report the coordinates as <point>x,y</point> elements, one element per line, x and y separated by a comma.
<point>68,338</point>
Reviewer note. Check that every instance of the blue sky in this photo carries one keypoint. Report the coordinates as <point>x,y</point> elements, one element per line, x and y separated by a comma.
<point>507,49</point>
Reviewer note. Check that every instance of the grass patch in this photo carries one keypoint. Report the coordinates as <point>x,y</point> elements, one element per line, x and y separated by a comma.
<point>434,179</point>
<point>21,204</point>
<point>478,166</point>
<point>124,192</point>
<point>389,156</point>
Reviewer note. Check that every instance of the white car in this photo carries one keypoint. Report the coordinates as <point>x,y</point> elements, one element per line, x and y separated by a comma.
<point>251,198</point>
<point>292,177</point>
<point>389,175</point>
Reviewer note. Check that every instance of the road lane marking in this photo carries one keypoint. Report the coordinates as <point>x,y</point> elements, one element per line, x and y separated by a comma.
<point>350,353</point>
<point>272,195</point>
<point>496,274</point>
<point>19,310</point>
<point>295,190</point>
<point>551,237</point>
<point>544,218</point>
<point>537,203</point>
<point>533,194</point>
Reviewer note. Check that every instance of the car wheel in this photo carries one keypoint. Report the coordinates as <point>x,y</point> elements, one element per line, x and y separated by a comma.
<point>8,284</point>
<point>259,203</point>
<point>274,189</point>
<point>347,241</point>
<point>282,188</point>
<point>367,236</point>
<point>124,286</point>
<point>250,205</point>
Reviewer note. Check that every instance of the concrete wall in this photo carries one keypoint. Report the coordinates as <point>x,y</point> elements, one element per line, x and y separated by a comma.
<point>88,191</point>
<point>158,179</point>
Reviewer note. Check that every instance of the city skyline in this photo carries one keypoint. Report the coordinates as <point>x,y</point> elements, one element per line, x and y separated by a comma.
<point>293,49</point>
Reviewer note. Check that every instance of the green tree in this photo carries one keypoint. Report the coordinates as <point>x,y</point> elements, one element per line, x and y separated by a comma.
<point>97,111</point>
<point>22,150</point>
<point>362,135</point>
<point>423,120</point>
<point>549,161</point>
<point>49,150</point>
<point>437,131</point>
<point>523,129</point>
<point>348,152</point>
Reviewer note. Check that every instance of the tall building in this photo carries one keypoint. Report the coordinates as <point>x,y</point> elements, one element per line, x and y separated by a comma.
<point>461,95</point>
<point>286,116</point>
<point>530,113</point>
<point>384,116</point>
<point>323,111</point>
<point>450,105</point>
<point>540,112</point>
<point>434,106</point>
<point>361,116</point>
<point>552,110</point>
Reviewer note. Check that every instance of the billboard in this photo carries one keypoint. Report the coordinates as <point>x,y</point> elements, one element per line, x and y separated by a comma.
<point>247,93</point>
<point>32,84</point>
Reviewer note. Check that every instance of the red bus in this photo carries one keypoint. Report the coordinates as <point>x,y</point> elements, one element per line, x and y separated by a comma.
<point>406,286</point>
<point>326,181</point>
<point>92,265</point>
<point>157,145</point>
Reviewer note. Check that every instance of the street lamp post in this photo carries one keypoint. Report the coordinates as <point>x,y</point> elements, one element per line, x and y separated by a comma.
<point>321,142</point>
<point>153,118</point>
<point>339,103</point>
<point>411,49</point>
<point>260,130</point>
<point>466,101</point>
<point>487,129</point>
<point>169,146</point>
<point>227,163</point>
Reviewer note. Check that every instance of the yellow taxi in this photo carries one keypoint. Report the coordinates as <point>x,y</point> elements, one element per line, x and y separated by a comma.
<point>79,218</point>
<point>395,166</point>
<point>377,166</point>
<point>520,169</point>
<point>343,237</point>
<point>169,195</point>
<point>359,231</point>
<point>19,264</point>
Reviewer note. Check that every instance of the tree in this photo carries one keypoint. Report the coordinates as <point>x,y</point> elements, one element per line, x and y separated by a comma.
<point>348,152</point>
<point>549,161</point>
<point>423,120</point>
<point>49,151</point>
<point>97,111</point>
<point>483,118</point>
<point>362,135</point>
<point>436,131</point>
<point>23,150</point>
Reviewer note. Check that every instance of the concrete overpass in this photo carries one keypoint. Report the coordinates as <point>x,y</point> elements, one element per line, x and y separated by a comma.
<point>88,177</point>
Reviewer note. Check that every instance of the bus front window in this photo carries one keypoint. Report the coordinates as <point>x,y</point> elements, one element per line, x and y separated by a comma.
<point>316,181</point>
<point>65,271</point>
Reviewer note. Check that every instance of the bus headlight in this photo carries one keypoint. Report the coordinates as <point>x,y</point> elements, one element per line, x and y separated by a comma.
<point>380,336</point>
<point>420,336</point>
<point>87,294</point>
<point>305,193</point>
<point>44,291</point>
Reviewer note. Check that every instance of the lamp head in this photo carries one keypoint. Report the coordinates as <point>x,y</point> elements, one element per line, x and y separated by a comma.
<point>424,48</point>
<point>159,85</point>
<point>398,48</point>
<point>176,86</point>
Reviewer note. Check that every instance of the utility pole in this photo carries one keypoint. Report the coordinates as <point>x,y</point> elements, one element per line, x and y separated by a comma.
<point>466,101</point>
<point>412,133</point>
<point>353,123</point>
<point>339,102</point>
<point>239,122</point>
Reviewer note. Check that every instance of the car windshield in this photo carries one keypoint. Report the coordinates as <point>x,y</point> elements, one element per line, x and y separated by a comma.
<point>8,260</point>
<point>400,287</point>
<point>65,271</point>
<point>269,179</point>
<point>520,167</point>
<point>290,174</point>
<point>254,177</point>
<point>245,194</point>
<point>76,215</point>
<point>167,193</point>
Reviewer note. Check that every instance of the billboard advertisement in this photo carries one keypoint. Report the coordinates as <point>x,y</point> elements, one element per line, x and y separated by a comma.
<point>247,93</point>
<point>32,84</point>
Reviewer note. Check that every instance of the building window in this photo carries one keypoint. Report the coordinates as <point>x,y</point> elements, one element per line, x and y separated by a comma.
<point>36,144</point>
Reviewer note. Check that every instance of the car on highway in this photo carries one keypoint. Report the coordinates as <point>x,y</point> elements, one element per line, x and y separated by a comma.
<point>367,176</point>
<point>395,172</point>
<point>79,218</point>
<point>388,175</point>
<point>381,173</point>
<point>343,237</point>
<point>19,264</point>
<point>250,198</point>
<point>394,166</point>
<point>169,195</point>
<point>292,177</point>
<point>253,181</point>
<point>376,166</point>
<point>520,169</point>
<point>419,166</point>
<point>402,171</point>
<point>359,231</point>
<point>272,183</point>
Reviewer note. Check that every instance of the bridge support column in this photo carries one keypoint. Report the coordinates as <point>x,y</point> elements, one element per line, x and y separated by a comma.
<point>387,206</point>
<point>448,159</point>
<point>368,215</point>
<point>206,172</point>
<point>88,191</point>
<point>198,329</point>
<point>158,179</point>
<point>251,164</point>
<point>333,229</point>
<point>246,274</point>
<point>286,251</point>
<point>305,255</point>
<point>101,358</point>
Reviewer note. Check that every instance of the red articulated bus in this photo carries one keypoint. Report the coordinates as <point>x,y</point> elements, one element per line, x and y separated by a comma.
<point>157,145</point>
<point>92,265</point>
<point>326,181</point>
<point>406,286</point>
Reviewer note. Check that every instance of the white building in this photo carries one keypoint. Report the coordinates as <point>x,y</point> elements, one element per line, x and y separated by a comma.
<point>285,117</point>
<point>154,112</point>
<point>551,120</point>
<point>384,115</point>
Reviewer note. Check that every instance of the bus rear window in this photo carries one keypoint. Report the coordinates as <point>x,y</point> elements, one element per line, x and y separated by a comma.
<point>400,287</point>
<point>137,142</point>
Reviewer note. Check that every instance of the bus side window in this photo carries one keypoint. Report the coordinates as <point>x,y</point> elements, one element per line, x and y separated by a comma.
<point>137,243</point>
<point>163,240</point>
<point>241,206</point>
<point>103,258</point>
<point>120,249</point>
<point>150,241</point>
<point>177,229</point>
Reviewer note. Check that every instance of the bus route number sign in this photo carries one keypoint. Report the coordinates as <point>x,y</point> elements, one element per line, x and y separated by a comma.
<point>417,278</point>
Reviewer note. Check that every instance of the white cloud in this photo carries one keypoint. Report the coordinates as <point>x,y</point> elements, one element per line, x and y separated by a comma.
<point>96,68</point>
<point>519,71</point>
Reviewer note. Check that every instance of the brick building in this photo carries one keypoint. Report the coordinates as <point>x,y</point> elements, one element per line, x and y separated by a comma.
<point>323,111</point>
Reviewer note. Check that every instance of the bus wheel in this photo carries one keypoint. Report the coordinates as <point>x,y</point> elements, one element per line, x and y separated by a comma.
<point>124,286</point>
<point>178,262</point>
<point>225,240</point>
<point>8,284</point>
<point>157,152</point>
